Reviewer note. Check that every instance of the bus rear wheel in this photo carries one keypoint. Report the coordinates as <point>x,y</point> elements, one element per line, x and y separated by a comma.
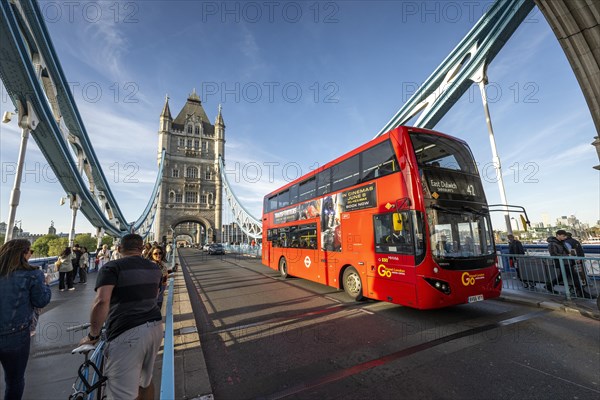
<point>283,270</point>
<point>353,284</point>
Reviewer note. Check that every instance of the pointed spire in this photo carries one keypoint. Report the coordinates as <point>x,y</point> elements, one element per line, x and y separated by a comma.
<point>166,112</point>
<point>194,96</point>
<point>219,120</point>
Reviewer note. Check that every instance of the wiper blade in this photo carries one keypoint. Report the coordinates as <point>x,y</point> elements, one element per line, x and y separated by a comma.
<point>449,211</point>
<point>474,211</point>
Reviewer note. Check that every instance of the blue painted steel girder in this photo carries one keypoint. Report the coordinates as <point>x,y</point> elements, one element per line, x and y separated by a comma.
<point>66,102</point>
<point>466,64</point>
<point>24,36</point>
<point>248,224</point>
<point>20,80</point>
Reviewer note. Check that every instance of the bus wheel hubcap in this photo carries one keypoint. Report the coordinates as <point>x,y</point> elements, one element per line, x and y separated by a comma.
<point>353,283</point>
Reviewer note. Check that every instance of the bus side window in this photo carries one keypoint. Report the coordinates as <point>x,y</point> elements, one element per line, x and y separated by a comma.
<point>393,233</point>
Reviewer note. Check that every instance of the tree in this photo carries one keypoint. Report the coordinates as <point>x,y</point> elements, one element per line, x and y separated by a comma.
<point>41,245</point>
<point>57,246</point>
<point>86,240</point>
<point>107,240</point>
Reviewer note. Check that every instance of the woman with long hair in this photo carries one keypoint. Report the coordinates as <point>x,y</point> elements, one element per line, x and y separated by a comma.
<point>65,269</point>
<point>22,287</point>
<point>157,254</point>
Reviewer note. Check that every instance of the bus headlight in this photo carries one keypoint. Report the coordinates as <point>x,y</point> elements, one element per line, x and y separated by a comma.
<point>442,286</point>
<point>498,279</point>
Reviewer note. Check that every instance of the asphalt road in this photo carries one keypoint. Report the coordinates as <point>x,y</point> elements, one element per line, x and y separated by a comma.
<point>265,337</point>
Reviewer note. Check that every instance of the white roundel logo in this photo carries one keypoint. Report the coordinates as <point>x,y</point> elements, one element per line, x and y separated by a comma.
<point>307,262</point>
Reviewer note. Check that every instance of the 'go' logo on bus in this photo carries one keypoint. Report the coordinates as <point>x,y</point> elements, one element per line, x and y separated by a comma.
<point>383,271</point>
<point>468,279</point>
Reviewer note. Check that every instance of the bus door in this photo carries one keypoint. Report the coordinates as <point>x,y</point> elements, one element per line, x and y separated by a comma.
<point>330,247</point>
<point>266,253</point>
<point>394,275</point>
<point>268,245</point>
<point>309,245</point>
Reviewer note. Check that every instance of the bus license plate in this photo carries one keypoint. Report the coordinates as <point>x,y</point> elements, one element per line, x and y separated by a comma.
<point>473,299</point>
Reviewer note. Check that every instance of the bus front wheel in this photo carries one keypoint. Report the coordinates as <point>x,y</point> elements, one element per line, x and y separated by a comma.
<point>283,270</point>
<point>353,284</point>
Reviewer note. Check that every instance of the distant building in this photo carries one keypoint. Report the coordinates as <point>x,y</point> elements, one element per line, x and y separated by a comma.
<point>2,228</point>
<point>51,229</point>
<point>562,221</point>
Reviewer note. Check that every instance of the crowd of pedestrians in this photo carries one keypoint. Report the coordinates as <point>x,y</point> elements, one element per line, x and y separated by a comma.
<point>126,304</point>
<point>129,296</point>
<point>563,244</point>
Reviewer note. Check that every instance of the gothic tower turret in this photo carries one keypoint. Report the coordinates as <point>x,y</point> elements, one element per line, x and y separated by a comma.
<point>219,135</point>
<point>190,203</point>
<point>219,152</point>
<point>165,126</point>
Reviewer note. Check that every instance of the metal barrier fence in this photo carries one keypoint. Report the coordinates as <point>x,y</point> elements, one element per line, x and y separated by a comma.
<point>167,382</point>
<point>569,277</point>
<point>244,249</point>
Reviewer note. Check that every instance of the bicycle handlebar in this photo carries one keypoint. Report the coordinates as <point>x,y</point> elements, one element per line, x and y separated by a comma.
<point>79,327</point>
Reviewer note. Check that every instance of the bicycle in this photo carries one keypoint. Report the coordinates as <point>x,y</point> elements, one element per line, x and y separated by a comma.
<point>90,381</point>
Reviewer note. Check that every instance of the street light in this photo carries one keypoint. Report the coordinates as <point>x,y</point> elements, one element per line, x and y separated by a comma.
<point>28,121</point>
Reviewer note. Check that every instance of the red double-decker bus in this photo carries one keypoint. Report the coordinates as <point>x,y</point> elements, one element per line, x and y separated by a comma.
<point>403,218</point>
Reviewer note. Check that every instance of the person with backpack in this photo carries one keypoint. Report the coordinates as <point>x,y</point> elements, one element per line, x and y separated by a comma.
<point>515,247</point>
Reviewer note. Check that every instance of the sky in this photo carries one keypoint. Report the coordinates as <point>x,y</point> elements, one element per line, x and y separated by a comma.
<point>301,83</point>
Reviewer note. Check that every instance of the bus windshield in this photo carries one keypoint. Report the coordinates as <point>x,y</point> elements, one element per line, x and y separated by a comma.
<point>441,152</point>
<point>459,234</point>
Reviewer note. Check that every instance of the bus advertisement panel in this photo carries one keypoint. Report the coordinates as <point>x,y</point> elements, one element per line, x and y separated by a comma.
<point>402,218</point>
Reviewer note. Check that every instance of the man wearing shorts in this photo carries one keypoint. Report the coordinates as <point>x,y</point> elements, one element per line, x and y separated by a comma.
<point>126,291</point>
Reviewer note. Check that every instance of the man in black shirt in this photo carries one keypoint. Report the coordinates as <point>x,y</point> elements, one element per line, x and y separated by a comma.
<point>125,302</point>
<point>78,253</point>
<point>515,247</point>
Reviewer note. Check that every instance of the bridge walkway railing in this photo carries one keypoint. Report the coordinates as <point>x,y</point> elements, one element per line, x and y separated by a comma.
<point>567,277</point>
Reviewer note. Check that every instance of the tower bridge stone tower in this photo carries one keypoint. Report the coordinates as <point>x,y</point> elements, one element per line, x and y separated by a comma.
<point>190,192</point>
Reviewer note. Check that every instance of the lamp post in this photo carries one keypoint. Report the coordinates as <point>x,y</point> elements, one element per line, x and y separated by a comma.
<point>596,144</point>
<point>481,79</point>
<point>75,204</point>
<point>28,121</point>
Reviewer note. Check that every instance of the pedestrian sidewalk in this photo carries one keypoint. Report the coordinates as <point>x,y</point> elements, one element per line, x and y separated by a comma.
<point>191,373</point>
<point>52,345</point>
<point>52,368</point>
<point>584,307</point>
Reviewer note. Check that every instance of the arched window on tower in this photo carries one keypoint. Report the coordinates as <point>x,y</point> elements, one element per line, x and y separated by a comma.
<point>210,198</point>
<point>171,197</point>
<point>189,129</point>
<point>191,172</point>
<point>197,130</point>
<point>208,174</point>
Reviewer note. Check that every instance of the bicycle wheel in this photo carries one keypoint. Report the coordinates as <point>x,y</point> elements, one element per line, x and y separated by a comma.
<point>100,391</point>
<point>99,380</point>
<point>78,396</point>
